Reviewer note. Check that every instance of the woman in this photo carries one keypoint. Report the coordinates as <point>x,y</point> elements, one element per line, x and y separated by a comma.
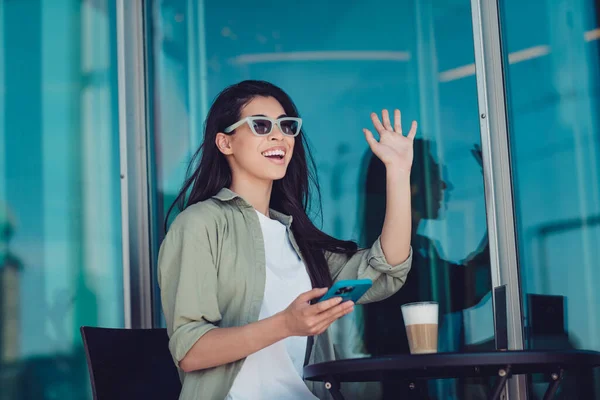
<point>239,281</point>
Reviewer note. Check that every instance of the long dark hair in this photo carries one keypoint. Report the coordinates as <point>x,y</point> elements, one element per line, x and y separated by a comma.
<point>209,172</point>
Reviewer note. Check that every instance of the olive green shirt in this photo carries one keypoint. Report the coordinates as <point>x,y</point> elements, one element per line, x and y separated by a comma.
<point>211,272</point>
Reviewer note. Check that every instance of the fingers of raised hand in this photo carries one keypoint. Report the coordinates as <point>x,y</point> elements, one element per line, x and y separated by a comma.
<point>385,115</point>
<point>413,130</point>
<point>377,124</point>
<point>370,138</point>
<point>397,121</point>
<point>385,125</point>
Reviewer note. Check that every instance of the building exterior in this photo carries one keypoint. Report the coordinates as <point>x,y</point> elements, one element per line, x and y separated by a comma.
<point>103,103</point>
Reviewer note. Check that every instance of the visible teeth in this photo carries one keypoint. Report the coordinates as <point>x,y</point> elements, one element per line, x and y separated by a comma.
<point>274,153</point>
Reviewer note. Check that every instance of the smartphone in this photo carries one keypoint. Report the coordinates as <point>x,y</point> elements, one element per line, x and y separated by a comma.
<point>352,289</point>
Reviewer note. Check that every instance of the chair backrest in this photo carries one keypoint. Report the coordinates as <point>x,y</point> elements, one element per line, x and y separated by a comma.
<point>130,364</point>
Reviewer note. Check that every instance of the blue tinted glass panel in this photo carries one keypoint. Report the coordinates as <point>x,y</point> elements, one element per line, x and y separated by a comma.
<point>60,243</point>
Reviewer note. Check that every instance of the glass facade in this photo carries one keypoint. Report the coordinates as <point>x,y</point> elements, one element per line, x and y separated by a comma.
<point>337,75</point>
<point>61,144</point>
<point>61,250</point>
<point>553,84</point>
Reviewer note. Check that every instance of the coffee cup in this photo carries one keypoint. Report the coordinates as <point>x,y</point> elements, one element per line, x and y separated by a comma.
<point>421,322</point>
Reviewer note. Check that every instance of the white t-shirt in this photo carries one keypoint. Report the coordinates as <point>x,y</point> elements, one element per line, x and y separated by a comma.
<point>275,372</point>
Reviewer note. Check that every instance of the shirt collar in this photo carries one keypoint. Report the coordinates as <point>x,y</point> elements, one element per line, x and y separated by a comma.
<point>226,195</point>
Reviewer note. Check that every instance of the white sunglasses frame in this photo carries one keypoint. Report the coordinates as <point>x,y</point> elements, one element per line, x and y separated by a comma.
<point>274,122</point>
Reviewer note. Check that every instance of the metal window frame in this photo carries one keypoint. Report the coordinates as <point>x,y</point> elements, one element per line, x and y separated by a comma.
<point>135,191</point>
<point>155,223</point>
<point>490,71</point>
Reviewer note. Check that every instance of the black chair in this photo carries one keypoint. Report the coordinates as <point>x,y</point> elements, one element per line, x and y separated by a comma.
<point>130,364</point>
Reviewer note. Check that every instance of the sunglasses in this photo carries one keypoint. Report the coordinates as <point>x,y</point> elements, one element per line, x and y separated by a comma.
<point>263,126</point>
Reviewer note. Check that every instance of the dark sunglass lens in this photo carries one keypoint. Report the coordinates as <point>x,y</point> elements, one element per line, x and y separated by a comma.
<point>262,126</point>
<point>289,127</point>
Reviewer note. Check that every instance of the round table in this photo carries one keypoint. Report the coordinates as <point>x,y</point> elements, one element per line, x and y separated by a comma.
<point>503,364</point>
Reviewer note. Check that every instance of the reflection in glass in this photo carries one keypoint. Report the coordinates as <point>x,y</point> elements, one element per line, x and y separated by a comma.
<point>337,74</point>
<point>60,226</point>
<point>553,81</point>
<point>456,287</point>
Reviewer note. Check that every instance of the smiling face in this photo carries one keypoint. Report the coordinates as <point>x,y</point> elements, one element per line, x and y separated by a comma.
<point>265,158</point>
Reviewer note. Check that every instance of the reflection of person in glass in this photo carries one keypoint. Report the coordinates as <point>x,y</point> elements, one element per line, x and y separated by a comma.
<point>236,273</point>
<point>455,287</point>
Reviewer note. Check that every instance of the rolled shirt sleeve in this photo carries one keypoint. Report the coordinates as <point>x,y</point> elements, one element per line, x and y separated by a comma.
<point>370,264</point>
<point>188,282</point>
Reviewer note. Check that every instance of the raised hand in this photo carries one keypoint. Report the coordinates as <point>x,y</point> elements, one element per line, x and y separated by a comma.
<point>393,148</point>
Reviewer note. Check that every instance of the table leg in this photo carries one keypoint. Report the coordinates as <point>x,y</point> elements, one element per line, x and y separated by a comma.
<point>553,386</point>
<point>503,375</point>
<point>333,386</point>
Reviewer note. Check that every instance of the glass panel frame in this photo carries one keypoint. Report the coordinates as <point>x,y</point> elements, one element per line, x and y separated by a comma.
<point>135,170</point>
<point>551,79</point>
<point>489,69</point>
